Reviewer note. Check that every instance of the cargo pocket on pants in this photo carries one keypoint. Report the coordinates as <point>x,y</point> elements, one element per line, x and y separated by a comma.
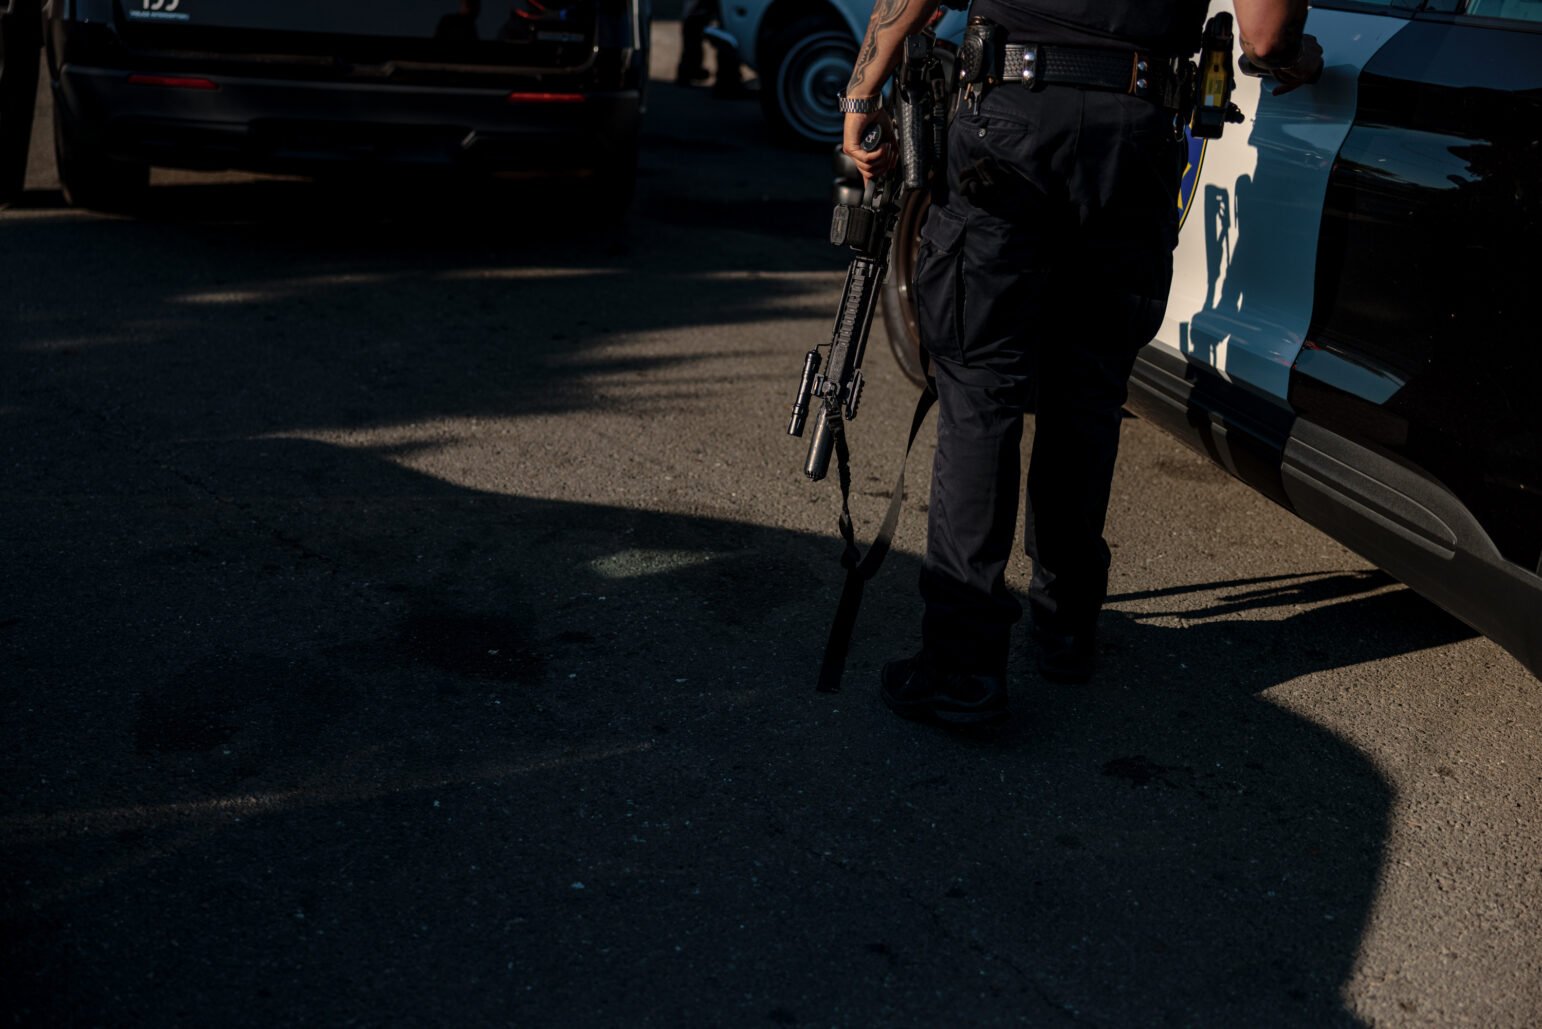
<point>939,285</point>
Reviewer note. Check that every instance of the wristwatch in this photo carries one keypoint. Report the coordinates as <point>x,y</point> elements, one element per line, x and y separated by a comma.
<point>859,104</point>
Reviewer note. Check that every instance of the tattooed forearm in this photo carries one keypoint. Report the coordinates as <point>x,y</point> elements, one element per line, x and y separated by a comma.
<point>864,59</point>
<point>887,12</point>
<point>892,20</point>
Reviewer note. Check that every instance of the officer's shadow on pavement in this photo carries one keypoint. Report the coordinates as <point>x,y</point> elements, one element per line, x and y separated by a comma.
<point>297,732</point>
<point>1231,261</point>
<point>1243,226</point>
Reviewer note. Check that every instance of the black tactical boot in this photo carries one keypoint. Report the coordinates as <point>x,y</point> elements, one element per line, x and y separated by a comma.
<point>1067,657</point>
<point>914,689</point>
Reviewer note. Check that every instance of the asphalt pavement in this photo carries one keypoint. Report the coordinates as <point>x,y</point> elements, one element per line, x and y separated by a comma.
<point>410,607</point>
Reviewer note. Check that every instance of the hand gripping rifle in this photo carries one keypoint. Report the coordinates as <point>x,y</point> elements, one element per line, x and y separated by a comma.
<point>834,379</point>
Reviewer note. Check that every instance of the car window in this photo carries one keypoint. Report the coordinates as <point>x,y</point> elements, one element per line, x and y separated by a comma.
<point>1392,6</point>
<point>1516,10</point>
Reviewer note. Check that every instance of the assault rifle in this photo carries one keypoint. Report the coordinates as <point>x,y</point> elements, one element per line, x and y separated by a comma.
<point>868,228</point>
<point>834,379</point>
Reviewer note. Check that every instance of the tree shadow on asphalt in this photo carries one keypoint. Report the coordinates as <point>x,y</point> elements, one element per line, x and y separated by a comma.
<point>429,317</point>
<point>295,733</point>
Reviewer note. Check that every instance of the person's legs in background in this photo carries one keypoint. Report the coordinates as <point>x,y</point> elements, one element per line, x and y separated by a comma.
<point>694,19</point>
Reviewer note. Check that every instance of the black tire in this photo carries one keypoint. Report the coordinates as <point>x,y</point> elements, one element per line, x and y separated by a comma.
<point>91,178</point>
<point>898,301</point>
<point>809,62</point>
<point>21,48</point>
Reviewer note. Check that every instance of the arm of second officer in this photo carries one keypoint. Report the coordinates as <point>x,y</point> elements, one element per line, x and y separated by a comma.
<point>1273,40</point>
<point>891,22</point>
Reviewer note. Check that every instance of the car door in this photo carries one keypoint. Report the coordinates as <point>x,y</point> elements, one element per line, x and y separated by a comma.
<point>21,40</point>
<point>1349,328</point>
<point>1419,440</point>
<point>1423,347</point>
<point>1243,284</point>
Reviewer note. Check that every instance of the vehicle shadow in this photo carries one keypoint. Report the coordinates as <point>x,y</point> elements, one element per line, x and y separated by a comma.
<point>296,732</point>
<point>357,743</point>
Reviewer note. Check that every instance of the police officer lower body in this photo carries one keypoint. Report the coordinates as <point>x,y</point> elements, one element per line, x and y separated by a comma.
<point>695,17</point>
<point>1041,273</point>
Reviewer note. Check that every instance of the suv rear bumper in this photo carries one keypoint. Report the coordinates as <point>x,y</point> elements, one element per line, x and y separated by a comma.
<point>305,127</point>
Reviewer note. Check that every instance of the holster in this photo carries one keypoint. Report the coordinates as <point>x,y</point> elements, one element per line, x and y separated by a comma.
<point>979,55</point>
<point>915,153</point>
<point>924,93</point>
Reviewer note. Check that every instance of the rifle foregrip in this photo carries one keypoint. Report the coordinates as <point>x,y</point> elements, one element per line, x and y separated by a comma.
<point>863,280</point>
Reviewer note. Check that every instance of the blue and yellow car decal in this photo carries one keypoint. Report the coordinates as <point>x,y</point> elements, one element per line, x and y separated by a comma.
<point>1191,168</point>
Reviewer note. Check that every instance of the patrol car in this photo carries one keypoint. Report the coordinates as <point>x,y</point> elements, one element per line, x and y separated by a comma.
<point>1352,326</point>
<point>491,86</point>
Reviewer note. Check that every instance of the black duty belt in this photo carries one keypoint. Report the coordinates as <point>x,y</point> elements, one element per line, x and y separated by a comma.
<point>1120,71</point>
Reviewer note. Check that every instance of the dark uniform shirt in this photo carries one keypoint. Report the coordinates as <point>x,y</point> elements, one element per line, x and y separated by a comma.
<point>1159,26</point>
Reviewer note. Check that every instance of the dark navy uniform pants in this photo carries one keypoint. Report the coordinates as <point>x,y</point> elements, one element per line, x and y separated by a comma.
<point>1041,272</point>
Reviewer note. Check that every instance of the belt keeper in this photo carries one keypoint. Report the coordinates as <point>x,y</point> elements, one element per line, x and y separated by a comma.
<point>1030,73</point>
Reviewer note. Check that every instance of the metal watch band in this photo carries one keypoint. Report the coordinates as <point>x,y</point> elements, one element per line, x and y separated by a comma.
<point>859,104</point>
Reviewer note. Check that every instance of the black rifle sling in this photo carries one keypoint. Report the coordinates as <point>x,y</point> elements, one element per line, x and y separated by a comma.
<point>859,567</point>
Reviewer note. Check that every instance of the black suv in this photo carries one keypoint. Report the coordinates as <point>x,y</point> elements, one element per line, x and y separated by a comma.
<point>300,86</point>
